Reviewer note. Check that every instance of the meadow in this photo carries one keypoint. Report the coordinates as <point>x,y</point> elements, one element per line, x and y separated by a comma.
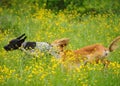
<point>19,69</point>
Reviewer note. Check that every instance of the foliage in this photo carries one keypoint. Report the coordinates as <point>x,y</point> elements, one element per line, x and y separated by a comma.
<point>82,6</point>
<point>41,24</point>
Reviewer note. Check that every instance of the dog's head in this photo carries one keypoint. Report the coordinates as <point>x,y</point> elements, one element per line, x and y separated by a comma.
<point>60,43</point>
<point>15,43</point>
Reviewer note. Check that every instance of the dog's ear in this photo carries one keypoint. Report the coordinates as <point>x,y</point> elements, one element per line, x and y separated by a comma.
<point>20,36</point>
<point>114,44</point>
<point>22,40</point>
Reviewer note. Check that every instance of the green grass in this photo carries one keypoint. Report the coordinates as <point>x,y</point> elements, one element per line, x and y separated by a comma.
<point>19,69</point>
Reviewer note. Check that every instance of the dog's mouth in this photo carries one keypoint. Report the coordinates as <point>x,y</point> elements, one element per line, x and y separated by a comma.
<point>106,53</point>
<point>7,48</point>
<point>11,47</point>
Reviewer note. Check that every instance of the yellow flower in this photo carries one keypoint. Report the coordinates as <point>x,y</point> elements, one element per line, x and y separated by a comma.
<point>1,9</point>
<point>27,68</point>
<point>1,78</point>
<point>43,76</point>
<point>30,76</point>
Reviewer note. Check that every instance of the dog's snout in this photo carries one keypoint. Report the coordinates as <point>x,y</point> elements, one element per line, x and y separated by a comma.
<point>106,53</point>
<point>6,48</point>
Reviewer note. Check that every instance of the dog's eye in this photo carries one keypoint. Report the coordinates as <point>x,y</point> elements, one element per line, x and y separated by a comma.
<point>61,45</point>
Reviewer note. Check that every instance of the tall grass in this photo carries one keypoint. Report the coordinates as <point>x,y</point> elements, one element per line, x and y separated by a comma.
<point>19,69</point>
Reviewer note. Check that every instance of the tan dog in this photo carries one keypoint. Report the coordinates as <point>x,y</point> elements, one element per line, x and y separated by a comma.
<point>91,54</point>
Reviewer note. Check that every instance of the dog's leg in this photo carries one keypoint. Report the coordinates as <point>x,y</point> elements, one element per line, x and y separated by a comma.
<point>85,62</point>
<point>28,52</point>
<point>106,63</point>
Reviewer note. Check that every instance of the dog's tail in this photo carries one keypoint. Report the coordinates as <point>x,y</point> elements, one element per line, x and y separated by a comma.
<point>61,42</point>
<point>114,44</point>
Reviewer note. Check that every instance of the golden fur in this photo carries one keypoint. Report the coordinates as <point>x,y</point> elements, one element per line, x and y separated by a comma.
<point>92,53</point>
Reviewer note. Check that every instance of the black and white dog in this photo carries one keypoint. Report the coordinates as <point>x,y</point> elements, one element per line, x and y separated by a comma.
<point>53,49</point>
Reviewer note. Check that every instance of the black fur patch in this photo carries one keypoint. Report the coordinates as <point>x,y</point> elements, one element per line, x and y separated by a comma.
<point>30,45</point>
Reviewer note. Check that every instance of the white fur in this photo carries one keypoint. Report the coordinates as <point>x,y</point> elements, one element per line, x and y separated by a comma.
<point>43,47</point>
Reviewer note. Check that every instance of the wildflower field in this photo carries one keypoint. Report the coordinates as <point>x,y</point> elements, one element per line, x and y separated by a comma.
<point>19,69</point>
